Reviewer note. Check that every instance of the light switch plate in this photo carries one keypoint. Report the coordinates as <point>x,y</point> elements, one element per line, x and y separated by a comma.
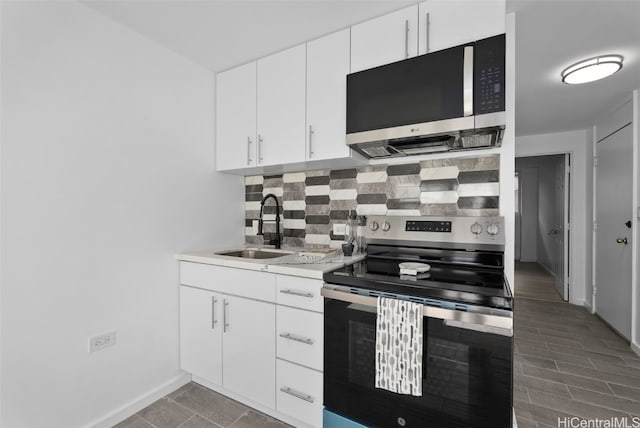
<point>339,229</point>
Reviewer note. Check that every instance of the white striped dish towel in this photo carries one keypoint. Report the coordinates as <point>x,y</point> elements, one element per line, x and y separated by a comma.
<point>399,346</point>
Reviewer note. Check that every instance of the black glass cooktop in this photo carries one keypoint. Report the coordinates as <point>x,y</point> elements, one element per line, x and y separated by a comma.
<point>483,286</point>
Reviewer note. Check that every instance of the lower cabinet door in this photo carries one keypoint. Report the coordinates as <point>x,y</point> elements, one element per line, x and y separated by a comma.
<point>299,392</point>
<point>249,348</point>
<point>201,333</point>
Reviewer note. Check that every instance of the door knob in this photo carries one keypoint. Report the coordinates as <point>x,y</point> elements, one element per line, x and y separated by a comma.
<point>622,240</point>
<point>553,232</point>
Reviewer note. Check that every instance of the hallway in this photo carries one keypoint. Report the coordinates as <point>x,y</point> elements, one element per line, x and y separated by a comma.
<point>534,282</point>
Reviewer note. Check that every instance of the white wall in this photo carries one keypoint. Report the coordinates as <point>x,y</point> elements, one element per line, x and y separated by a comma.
<point>107,162</point>
<point>578,144</point>
<point>507,152</point>
<point>529,214</point>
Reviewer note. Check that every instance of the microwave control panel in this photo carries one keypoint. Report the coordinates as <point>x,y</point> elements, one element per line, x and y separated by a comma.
<point>489,75</point>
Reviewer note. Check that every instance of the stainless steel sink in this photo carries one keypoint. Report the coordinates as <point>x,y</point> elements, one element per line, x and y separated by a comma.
<point>253,254</point>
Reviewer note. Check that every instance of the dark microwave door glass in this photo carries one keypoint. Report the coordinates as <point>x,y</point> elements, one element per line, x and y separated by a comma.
<point>421,89</point>
<point>467,375</point>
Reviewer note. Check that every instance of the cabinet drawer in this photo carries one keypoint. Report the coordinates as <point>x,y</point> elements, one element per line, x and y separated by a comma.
<point>299,393</point>
<point>300,336</point>
<point>302,293</point>
<point>239,282</point>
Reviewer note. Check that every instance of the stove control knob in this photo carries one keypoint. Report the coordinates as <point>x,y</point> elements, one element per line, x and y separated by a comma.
<point>386,226</point>
<point>374,226</point>
<point>476,228</point>
<point>493,229</point>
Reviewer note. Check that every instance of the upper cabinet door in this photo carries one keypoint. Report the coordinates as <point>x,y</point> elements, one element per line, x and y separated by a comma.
<point>236,144</point>
<point>327,69</point>
<point>386,39</point>
<point>281,107</point>
<point>444,24</point>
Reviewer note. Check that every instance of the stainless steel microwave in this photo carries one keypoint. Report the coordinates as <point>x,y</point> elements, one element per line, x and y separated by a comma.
<point>452,99</point>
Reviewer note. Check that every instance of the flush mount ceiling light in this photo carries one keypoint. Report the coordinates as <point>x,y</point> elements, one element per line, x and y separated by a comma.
<point>592,69</point>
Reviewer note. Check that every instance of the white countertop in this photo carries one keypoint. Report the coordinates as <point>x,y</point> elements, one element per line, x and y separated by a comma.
<point>286,265</point>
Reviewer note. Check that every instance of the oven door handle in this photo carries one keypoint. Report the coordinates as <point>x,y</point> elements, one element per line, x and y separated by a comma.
<point>497,322</point>
<point>482,328</point>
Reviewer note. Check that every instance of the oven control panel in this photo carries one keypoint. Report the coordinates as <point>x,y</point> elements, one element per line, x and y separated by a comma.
<point>454,230</point>
<point>427,226</point>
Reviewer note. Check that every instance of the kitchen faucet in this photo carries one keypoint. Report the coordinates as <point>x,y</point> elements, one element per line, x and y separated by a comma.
<point>276,241</point>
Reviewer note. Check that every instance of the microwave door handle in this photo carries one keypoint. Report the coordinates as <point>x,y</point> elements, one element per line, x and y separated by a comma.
<point>467,82</point>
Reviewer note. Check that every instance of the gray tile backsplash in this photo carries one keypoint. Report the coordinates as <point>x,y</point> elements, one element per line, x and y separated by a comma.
<point>313,201</point>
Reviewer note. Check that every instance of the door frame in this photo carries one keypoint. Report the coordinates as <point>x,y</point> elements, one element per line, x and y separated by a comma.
<point>567,214</point>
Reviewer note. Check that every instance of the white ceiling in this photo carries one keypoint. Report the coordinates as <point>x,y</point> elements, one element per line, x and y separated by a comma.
<point>550,35</point>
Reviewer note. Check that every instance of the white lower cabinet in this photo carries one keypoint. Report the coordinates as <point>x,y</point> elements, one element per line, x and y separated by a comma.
<point>228,339</point>
<point>201,333</point>
<point>257,336</point>
<point>248,349</point>
<point>300,336</point>
<point>299,393</point>
<point>300,348</point>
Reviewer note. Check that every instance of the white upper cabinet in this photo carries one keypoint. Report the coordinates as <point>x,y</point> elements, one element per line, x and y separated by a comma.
<point>236,145</point>
<point>281,107</point>
<point>386,39</point>
<point>327,69</point>
<point>444,24</point>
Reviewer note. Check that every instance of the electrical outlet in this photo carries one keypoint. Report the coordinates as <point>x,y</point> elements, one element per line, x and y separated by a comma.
<point>339,229</point>
<point>102,341</point>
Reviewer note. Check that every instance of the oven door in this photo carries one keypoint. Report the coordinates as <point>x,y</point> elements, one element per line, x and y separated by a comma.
<point>467,370</point>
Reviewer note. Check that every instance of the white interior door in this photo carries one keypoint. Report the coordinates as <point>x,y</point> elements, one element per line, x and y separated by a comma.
<point>613,235</point>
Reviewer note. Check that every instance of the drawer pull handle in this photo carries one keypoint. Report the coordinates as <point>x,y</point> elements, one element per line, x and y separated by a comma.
<point>304,340</point>
<point>297,293</point>
<point>297,394</point>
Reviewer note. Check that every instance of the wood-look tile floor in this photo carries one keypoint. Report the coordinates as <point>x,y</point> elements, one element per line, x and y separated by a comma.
<point>194,406</point>
<point>568,363</point>
<point>534,282</point>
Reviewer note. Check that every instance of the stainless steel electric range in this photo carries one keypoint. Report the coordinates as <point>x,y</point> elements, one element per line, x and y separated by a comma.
<point>468,320</point>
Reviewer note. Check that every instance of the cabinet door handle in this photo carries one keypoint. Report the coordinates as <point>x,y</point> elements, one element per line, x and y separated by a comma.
<point>310,141</point>
<point>427,34</point>
<point>225,316</point>
<point>297,293</point>
<point>260,159</point>
<point>248,150</point>
<point>297,394</point>
<point>304,340</point>
<point>214,321</point>
<point>406,38</point>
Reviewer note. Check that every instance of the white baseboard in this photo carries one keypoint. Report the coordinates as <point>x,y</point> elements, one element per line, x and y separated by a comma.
<point>139,403</point>
<point>635,348</point>
<point>587,306</point>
